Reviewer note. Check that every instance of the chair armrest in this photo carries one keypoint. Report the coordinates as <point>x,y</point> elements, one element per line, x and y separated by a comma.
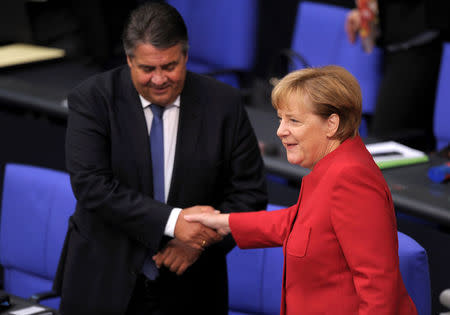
<point>38,297</point>
<point>444,298</point>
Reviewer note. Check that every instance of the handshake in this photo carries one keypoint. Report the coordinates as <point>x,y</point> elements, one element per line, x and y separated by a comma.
<point>196,228</point>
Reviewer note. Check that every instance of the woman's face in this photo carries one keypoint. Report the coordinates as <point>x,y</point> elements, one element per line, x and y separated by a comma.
<point>305,135</point>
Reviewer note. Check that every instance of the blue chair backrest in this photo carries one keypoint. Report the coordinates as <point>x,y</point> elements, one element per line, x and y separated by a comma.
<point>255,277</point>
<point>36,205</point>
<point>245,282</point>
<point>222,33</point>
<point>442,105</point>
<point>415,272</point>
<point>319,36</point>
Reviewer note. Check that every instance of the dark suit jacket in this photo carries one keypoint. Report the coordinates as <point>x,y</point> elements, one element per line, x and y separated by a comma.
<point>401,20</point>
<point>116,222</point>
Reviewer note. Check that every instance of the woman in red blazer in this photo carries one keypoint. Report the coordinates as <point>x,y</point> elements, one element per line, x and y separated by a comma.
<point>340,239</point>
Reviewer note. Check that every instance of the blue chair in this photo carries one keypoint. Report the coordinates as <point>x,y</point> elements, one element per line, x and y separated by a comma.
<point>245,283</point>
<point>415,272</point>
<point>36,205</point>
<point>222,36</point>
<point>320,38</point>
<point>255,277</point>
<point>442,105</point>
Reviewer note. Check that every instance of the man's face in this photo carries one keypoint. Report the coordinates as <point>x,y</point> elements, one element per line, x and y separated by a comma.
<point>158,74</point>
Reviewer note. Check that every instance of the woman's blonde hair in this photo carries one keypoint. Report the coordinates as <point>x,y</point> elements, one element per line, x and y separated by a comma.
<point>331,90</point>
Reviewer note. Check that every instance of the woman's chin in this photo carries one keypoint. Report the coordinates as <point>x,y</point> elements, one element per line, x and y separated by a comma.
<point>293,160</point>
<point>297,161</point>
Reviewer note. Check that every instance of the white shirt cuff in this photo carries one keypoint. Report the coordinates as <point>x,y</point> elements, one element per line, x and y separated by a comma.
<point>171,222</point>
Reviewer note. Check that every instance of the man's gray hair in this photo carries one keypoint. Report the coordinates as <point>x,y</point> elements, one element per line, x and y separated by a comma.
<point>155,23</point>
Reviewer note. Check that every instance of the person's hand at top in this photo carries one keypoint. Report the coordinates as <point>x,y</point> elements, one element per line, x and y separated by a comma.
<point>352,24</point>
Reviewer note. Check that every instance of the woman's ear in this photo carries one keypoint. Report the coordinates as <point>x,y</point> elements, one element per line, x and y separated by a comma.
<point>332,125</point>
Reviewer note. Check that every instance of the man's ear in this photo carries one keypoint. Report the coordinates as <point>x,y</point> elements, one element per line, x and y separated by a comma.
<point>129,61</point>
<point>332,125</point>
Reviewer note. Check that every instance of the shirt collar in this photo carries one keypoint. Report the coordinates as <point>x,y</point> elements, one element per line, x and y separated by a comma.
<point>146,103</point>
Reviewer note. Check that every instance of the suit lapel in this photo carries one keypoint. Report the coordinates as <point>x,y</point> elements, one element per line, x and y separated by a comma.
<point>189,127</point>
<point>131,115</point>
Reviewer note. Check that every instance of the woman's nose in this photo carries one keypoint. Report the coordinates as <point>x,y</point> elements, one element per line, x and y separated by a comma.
<point>282,130</point>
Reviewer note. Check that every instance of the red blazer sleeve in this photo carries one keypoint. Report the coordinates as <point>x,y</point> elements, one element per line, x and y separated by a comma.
<point>364,222</point>
<point>261,228</point>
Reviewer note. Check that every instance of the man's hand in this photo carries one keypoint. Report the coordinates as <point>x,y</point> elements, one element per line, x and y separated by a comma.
<point>195,234</point>
<point>176,256</point>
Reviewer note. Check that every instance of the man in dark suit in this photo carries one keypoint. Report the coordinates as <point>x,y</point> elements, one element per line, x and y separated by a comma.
<point>121,124</point>
<point>412,46</point>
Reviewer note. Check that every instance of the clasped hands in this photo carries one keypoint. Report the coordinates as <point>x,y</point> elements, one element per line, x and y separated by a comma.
<point>196,228</point>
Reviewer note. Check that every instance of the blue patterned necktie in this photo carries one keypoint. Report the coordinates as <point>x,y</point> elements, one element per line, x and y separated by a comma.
<point>157,150</point>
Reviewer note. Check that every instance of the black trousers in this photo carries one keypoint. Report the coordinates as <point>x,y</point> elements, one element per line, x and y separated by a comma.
<point>405,104</point>
<point>201,290</point>
<point>145,299</point>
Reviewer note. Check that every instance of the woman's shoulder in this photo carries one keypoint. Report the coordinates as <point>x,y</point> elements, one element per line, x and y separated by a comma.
<point>355,159</point>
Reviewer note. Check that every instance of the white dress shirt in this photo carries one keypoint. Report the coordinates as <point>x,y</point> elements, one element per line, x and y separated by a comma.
<point>170,121</point>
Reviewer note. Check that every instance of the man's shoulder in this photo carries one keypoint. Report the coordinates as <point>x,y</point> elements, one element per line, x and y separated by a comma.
<point>201,81</point>
<point>102,90</point>
<point>207,91</point>
<point>103,80</point>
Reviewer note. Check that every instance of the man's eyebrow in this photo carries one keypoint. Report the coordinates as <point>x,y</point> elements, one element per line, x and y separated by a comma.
<point>172,63</point>
<point>146,66</point>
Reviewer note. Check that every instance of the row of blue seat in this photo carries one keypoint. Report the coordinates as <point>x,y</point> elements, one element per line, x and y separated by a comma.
<point>37,203</point>
<point>442,104</point>
<point>223,35</point>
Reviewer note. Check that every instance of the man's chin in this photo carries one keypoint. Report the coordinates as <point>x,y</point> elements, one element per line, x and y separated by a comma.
<point>161,100</point>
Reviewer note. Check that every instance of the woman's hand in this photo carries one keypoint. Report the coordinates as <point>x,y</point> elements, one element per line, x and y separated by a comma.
<point>216,221</point>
